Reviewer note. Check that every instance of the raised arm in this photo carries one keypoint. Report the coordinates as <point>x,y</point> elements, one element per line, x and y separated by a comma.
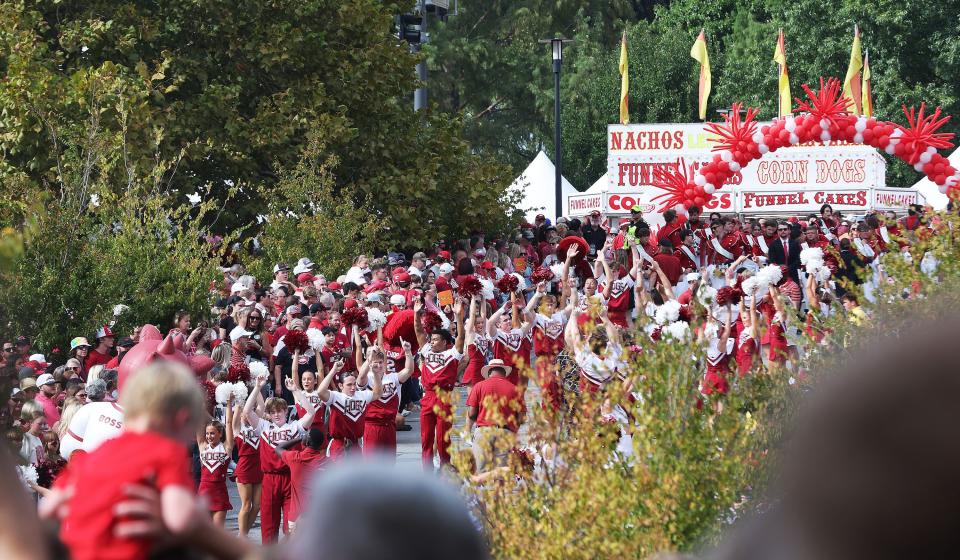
<point>418,324</point>
<point>495,319</point>
<point>731,272</point>
<point>458,314</point>
<point>228,427</point>
<point>571,334</point>
<point>725,333</point>
<point>666,288</point>
<point>407,370</point>
<point>248,408</point>
<point>608,279</point>
<point>613,334</point>
<point>323,390</point>
<point>470,330</point>
<point>295,370</point>
<point>285,445</point>
<point>813,301</point>
<point>364,368</point>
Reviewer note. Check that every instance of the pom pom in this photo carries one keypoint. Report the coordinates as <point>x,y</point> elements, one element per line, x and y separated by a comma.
<point>728,296</point>
<point>706,295</point>
<point>769,275</point>
<point>315,338</point>
<point>667,313</point>
<point>822,274</point>
<point>678,330</point>
<point>811,255</point>
<point>487,292</point>
<point>240,393</point>
<point>749,285</point>
<point>541,274</point>
<point>239,372</point>
<point>432,321</point>
<point>355,316</point>
<point>28,476</point>
<point>508,284</point>
<point>210,395</point>
<point>656,334</point>
<point>685,314</point>
<point>223,392</point>
<point>257,369</point>
<point>376,318</point>
<point>557,270</point>
<point>470,286</point>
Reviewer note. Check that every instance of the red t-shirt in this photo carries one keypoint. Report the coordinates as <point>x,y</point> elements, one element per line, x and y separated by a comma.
<point>99,479</point>
<point>96,359</point>
<point>499,402</point>
<point>303,464</point>
<point>347,413</point>
<point>670,265</point>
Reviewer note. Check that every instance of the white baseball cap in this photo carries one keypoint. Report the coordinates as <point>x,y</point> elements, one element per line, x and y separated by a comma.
<point>446,268</point>
<point>691,277</point>
<point>45,379</point>
<point>238,332</point>
<point>237,288</point>
<point>397,299</point>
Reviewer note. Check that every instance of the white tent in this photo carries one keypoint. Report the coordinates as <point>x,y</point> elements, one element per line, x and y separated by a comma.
<point>931,191</point>
<point>537,183</point>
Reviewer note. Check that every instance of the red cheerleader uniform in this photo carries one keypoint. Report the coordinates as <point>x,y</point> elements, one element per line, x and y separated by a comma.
<point>213,478</point>
<point>619,303</point>
<point>547,344</point>
<point>718,366</point>
<point>315,401</point>
<point>513,347</point>
<point>477,350</point>
<point>248,456</point>
<point>346,420</point>
<point>380,421</point>
<point>746,350</point>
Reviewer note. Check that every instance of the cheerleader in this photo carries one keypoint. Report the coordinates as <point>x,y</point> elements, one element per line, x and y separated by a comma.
<point>247,473</point>
<point>718,360</point>
<point>478,342</point>
<point>215,450</point>
<point>306,389</point>
<point>747,340</point>
<point>548,341</point>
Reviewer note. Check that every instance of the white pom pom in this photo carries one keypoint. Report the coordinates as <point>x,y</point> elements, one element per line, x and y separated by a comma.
<point>860,125</point>
<point>822,274</point>
<point>929,264</point>
<point>258,369</point>
<point>790,124</point>
<point>824,124</point>
<point>377,319</point>
<point>667,313</point>
<point>918,166</point>
<point>711,331</point>
<point>521,281</point>
<point>763,148</point>
<point>486,292</point>
<point>678,330</point>
<point>811,254</point>
<point>726,155</point>
<point>28,476</point>
<point>706,295</point>
<point>749,285</point>
<point>769,275</point>
<point>734,166</point>
<point>858,138</point>
<point>709,189</point>
<point>699,179</point>
<point>315,338</point>
<point>557,270</point>
<point>891,148</point>
<point>757,137</point>
<point>825,136</point>
<point>223,391</point>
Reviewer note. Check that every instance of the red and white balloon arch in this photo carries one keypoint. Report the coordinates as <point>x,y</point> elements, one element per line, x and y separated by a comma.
<point>740,141</point>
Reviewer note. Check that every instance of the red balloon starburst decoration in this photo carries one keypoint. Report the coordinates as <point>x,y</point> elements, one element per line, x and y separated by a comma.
<point>922,132</point>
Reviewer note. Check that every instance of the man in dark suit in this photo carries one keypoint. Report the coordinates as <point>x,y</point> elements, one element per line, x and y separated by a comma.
<point>785,250</point>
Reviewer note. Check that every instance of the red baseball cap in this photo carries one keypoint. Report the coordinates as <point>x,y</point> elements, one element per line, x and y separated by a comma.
<point>442,284</point>
<point>401,277</point>
<point>375,286</point>
<point>305,277</point>
<point>334,285</point>
<point>488,265</point>
<point>444,255</point>
<point>349,303</point>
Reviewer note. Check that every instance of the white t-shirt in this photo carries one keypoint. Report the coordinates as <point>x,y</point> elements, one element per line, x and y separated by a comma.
<point>92,425</point>
<point>551,326</point>
<point>31,449</point>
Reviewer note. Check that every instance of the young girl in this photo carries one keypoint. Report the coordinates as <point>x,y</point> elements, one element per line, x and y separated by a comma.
<point>35,424</point>
<point>215,450</point>
<point>51,466</point>
<point>247,473</point>
<point>307,385</point>
<point>478,343</point>
<point>748,339</point>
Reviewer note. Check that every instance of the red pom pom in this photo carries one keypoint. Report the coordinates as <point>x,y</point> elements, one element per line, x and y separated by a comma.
<point>238,372</point>
<point>685,314</point>
<point>470,286</point>
<point>431,321</point>
<point>210,394</point>
<point>356,316</point>
<point>508,283</point>
<point>728,296</point>
<point>541,274</point>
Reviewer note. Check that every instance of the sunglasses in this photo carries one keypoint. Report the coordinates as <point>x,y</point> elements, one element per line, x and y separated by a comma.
<point>255,317</point>
<point>783,229</point>
<point>72,368</point>
<point>10,349</point>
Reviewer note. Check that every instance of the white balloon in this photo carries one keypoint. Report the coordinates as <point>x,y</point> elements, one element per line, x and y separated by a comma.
<point>758,137</point>
<point>918,166</point>
<point>931,150</point>
<point>861,124</point>
<point>943,188</point>
<point>699,179</point>
<point>794,139</point>
<point>734,166</point>
<point>897,133</point>
<point>891,148</point>
<point>825,136</point>
<point>709,188</point>
<point>858,138</point>
<point>762,148</point>
<point>726,155</point>
<point>824,124</point>
<point>925,157</point>
<point>680,208</point>
<point>790,124</point>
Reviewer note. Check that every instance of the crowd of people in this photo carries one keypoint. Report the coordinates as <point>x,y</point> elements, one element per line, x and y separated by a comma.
<point>290,373</point>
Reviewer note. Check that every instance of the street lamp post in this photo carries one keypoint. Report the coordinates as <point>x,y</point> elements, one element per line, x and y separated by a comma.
<point>556,46</point>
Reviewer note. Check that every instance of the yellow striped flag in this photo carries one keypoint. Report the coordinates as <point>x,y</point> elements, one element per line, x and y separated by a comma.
<point>851,84</point>
<point>783,85</point>
<point>699,53</point>
<point>624,81</point>
<point>866,89</point>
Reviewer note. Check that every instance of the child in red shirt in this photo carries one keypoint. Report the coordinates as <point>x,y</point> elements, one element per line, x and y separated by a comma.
<point>163,407</point>
<point>303,464</point>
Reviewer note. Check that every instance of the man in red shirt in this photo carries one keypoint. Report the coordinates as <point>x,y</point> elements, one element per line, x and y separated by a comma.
<point>101,354</point>
<point>496,406</point>
<point>303,463</point>
<point>669,263</point>
<point>671,230</point>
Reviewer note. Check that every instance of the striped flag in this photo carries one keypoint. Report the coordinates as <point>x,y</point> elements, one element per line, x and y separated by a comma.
<point>783,85</point>
<point>699,53</point>
<point>624,81</point>
<point>851,84</point>
<point>866,90</point>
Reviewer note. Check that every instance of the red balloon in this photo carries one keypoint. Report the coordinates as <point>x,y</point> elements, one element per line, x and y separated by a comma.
<point>938,167</point>
<point>940,179</point>
<point>883,141</point>
<point>723,167</point>
<point>868,136</point>
<point>800,120</point>
<point>765,129</point>
<point>741,145</point>
<point>928,170</point>
<point>784,136</point>
<point>716,159</point>
<point>768,140</point>
<point>699,201</point>
<point>711,178</point>
<point>849,132</point>
<point>689,193</point>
